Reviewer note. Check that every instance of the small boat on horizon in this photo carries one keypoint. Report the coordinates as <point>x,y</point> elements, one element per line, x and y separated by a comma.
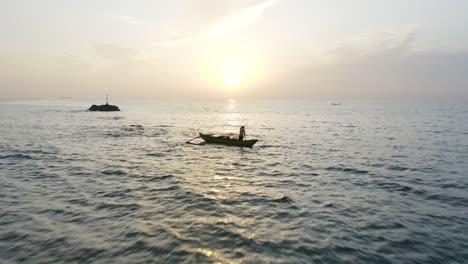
<point>225,140</point>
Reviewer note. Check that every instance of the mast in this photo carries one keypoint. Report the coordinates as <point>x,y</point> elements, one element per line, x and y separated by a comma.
<point>107,99</point>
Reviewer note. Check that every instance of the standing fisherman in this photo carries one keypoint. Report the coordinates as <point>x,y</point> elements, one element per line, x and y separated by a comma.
<point>242,133</point>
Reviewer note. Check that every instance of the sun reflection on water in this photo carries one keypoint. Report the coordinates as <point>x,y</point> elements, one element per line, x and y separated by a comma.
<point>232,118</point>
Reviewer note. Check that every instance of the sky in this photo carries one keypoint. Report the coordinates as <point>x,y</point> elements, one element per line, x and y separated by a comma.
<point>265,49</point>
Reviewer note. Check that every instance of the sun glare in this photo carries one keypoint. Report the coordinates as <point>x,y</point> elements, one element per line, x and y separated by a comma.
<point>233,71</point>
<point>232,74</point>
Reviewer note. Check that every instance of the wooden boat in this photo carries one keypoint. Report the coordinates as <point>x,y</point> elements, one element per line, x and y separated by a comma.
<point>228,141</point>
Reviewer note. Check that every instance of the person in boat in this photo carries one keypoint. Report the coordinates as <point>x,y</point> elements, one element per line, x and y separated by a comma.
<point>242,133</point>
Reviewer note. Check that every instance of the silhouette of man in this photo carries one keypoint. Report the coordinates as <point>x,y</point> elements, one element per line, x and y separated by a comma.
<point>242,133</point>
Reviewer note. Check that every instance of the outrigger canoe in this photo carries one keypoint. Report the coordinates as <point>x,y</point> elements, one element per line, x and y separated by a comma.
<point>228,141</point>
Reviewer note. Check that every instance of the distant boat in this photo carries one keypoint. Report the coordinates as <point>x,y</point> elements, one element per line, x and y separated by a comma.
<point>336,103</point>
<point>224,140</point>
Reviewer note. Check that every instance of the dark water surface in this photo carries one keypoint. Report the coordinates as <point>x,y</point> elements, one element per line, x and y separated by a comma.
<point>356,183</point>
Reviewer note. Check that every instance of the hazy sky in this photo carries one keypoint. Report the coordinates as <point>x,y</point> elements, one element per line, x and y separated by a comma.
<point>335,49</point>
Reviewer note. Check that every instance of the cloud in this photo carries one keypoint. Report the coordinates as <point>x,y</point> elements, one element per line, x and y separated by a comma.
<point>364,45</point>
<point>131,20</point>
<point>113,52</point>
<point>101,60</point>
<point>242,18</point>
<point>101,57</point>
<point>386,65</point>
<point>216,17</point>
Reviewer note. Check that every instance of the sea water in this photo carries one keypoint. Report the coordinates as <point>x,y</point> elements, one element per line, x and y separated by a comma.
<point>360,182</point>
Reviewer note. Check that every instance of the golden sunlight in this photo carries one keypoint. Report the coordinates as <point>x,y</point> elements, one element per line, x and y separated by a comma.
<point>232,71</point>
<point>232,74</point>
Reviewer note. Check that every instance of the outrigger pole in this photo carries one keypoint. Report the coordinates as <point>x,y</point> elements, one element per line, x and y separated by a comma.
<point>190,141</point>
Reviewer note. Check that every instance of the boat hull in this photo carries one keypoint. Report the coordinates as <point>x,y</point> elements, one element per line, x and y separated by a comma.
<point>228,141</point>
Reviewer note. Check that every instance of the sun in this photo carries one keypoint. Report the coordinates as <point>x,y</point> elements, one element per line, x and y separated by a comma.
<point>232,74</point>
<point>232,71</point>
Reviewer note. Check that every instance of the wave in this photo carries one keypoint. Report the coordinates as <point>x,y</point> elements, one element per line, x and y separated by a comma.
<point>346,169</point>
<point>114,172</point>
<point>16,157</point>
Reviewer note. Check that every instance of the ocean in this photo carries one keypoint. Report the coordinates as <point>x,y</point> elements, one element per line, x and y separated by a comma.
<point>360,182</point>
